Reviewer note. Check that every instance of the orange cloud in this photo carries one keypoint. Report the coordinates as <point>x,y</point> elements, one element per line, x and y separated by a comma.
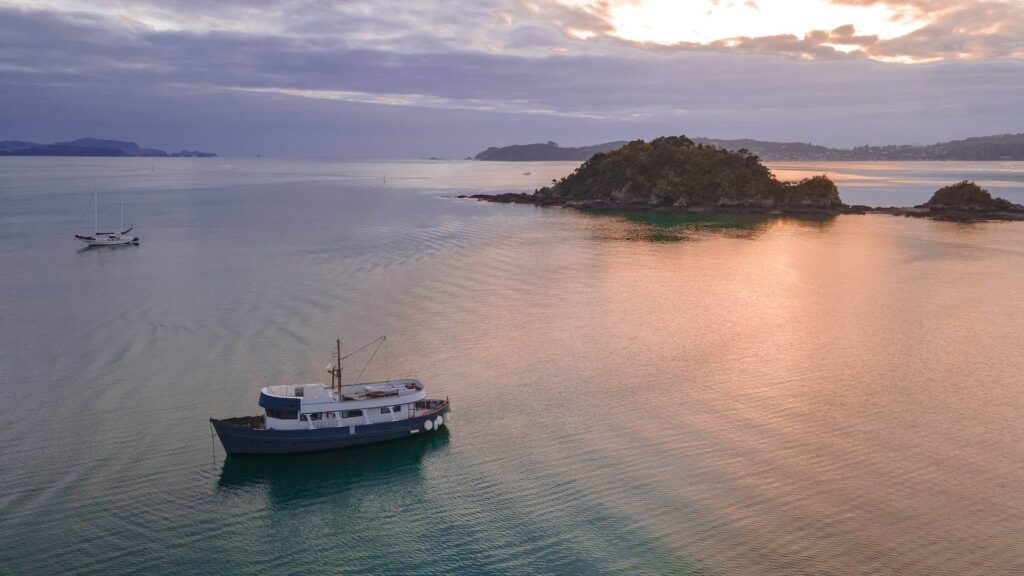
<point>907,31</point>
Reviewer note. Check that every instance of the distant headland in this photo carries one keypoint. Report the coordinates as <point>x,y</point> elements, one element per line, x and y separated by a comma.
<point>92,147</point>
<point>983,148</point>
<point>547,151</point>
<point>677,174</point>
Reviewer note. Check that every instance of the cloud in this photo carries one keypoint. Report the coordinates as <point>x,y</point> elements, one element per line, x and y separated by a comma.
<point>499,105</point>
<point>933,30</point>
<point>885,30</point>
<point>984,30</point>
<point>366,78</point>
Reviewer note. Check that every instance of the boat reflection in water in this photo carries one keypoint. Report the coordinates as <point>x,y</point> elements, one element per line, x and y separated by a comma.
<point>322,474</point>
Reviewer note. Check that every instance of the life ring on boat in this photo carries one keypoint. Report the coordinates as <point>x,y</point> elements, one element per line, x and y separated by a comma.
<point>428,425</point>
<point>438,421</point>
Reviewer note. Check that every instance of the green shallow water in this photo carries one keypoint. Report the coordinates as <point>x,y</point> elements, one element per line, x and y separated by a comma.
<point>762,397</point>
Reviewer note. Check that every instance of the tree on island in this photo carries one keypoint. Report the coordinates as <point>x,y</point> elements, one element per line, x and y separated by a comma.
<point>815,191</point>
<point>967,195</point>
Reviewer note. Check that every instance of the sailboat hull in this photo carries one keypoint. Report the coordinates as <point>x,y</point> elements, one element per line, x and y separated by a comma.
<point>108,240</point>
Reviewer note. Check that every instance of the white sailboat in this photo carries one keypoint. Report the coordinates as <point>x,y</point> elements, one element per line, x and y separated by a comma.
<point>107,238</point>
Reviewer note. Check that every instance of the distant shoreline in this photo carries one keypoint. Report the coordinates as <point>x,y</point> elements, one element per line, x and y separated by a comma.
<point>93,147</point>
<point>998,148</point>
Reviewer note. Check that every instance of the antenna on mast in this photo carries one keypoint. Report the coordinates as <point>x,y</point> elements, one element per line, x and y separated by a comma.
<point>335,369</point>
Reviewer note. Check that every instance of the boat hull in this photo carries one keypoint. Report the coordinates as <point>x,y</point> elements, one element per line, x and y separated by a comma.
<point>93,242</point>
<point>239,438</point>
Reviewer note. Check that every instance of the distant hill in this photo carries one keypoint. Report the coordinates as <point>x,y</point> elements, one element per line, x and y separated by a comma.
<point>547,151</point>
<point>6,145</point>
<point>90,147</point>
<point>778,150</point>
<point>983,148</point>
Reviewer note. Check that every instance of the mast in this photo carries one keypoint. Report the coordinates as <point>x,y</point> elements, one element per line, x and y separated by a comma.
<point>122,218</point>
<point>337,369</point>
<point>95,213</point>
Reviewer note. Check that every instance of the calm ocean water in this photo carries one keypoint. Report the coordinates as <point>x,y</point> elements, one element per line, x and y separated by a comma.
<point>630,395</point>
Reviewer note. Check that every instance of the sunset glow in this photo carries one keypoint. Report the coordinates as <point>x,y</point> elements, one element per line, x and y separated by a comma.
<point>456,75</point>
<point>706,21</point>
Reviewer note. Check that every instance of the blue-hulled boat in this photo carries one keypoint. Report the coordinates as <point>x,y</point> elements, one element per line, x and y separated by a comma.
<point>315,417</point>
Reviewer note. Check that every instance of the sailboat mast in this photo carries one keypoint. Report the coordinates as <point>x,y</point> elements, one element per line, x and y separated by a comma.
<point>122,218</point>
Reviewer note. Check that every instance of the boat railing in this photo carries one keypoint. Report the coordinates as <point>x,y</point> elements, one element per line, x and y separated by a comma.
<point>427,406</point>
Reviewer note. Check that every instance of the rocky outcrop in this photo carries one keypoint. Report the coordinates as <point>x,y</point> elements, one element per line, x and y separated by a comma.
<point>962,202</point>
<point>967,195</point>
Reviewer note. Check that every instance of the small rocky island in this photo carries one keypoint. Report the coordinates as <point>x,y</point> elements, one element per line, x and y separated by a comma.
<point>674,174</point>
<point>962,202</point>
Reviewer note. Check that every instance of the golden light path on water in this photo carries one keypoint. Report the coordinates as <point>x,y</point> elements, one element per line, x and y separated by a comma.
<point>632,394</point>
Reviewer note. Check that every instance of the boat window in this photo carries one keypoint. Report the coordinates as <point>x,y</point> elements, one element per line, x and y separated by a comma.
<point>351,413</point>
<point>396,408</point>
<point>385,410</point>
<point>315,416</point>
<point>283,414</point>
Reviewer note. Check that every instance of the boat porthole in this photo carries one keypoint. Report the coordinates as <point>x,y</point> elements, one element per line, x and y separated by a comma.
<point>438,421</point>
<point>428,425</point>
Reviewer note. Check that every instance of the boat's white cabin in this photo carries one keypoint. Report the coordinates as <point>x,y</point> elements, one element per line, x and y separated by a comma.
<point>311,406</point>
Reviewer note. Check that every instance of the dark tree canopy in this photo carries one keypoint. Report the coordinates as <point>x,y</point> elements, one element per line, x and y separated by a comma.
<point>673,170</point>
<point>969,196</point>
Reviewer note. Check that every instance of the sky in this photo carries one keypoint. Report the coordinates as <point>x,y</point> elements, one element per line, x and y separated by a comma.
<point>408,79</point>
